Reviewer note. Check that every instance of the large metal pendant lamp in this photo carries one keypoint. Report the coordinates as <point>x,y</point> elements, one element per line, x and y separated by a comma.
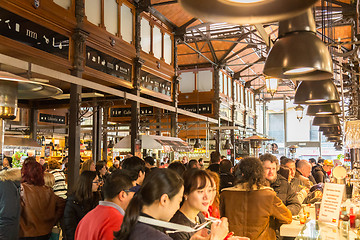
<point>330,129</point>
<point>245,11</point>
<point>326,121</point>
<point>334,139</point>
<point>316,92</point>
<point>324,109</point>
<point>13,87</point>
<point>299,54</point>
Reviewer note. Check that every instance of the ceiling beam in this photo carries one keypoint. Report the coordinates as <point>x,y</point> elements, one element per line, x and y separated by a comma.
<point>261,30</point>
<point>248,66</point>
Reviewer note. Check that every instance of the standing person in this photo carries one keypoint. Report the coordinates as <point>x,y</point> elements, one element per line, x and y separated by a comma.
<point>280,184</point>
<point>101,171</point>
<point>84,198</point>
<point>40,207</point>
<point>178,167</point>
<point>320,171</point>
<point>185,160</point>
<point>250,206</point>
<point>198,187</point>
<point>201,163</point>
<point>135,167</point>
<point>10,203</point>
<point>60,186</point>
<point>215,158</point>
<point>88,165</point>
<point>156,202</point>
<point>226,176</point>
<point>107,217</point>
<point>213,210</point>
<point>193,163</point>
<point>7,163</point>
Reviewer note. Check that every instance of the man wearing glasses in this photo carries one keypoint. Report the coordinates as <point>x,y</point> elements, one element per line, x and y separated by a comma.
<point>107,217</point>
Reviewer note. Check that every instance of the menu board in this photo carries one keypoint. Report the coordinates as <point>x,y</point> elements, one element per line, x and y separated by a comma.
<point>331,201</point>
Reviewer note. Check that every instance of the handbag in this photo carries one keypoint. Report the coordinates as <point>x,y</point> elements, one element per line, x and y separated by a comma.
<point>55,233</point>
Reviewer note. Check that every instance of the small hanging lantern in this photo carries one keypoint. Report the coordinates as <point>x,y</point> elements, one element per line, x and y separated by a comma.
<point>299,112</point>
<point>271,85</point>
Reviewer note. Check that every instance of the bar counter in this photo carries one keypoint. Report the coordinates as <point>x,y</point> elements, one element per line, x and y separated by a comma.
<point>314,230</point>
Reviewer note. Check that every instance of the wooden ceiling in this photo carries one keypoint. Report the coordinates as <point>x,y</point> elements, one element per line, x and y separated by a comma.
<point>241,48</point>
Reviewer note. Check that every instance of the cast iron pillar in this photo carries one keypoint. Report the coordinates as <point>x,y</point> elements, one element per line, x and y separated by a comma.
<point>104,133</point>
<point>79,39</point>
<point>175,91</point>
<point>33,123</point>
<point>217,101</point>
<point>96,133</point>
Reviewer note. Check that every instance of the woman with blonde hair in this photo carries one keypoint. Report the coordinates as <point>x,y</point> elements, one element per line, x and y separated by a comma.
<point>88,165</point>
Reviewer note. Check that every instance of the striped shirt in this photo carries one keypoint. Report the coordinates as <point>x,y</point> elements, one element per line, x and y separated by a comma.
<point>60,186</point>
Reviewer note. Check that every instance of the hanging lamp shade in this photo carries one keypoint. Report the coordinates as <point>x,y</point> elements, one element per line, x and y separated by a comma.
<point>316,92</point>
<point>299,112</point>
<point>330,129</point>
<point>13,87</point>
<point>197,144</point>
<point>323,109</point>
<point>245,11</point>
<point>334,139</point>
<point>298,53</point>
<point>271,85</point>
<point>326,121</point>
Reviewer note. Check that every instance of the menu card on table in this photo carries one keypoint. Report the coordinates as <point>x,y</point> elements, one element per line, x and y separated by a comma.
<point>331,201</point>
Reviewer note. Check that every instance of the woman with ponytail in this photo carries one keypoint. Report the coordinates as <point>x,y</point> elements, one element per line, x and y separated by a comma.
<point>153,206</point>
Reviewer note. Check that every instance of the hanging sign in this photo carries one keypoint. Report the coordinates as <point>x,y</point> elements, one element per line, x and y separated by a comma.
<point>331,201</point>
<point>32,34</point>
<point>105,63</point>
<point>197,108</point>
<point>155,83</point>
<point>49,118</point>
<point>126,112</point>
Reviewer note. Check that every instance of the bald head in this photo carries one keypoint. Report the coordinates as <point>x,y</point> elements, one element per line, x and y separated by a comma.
<point>304,167</point>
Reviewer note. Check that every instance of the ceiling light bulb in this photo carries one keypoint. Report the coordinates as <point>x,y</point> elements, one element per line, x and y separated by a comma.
<point>296,71</point>
<point>316,100</point>
<point>242,1</point>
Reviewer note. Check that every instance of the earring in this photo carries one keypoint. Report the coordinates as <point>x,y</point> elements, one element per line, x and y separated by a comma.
<point>185,197</point>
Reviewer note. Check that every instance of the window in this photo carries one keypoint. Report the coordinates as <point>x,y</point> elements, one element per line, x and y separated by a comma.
<point>168,49</point>
<point>204,81</point>
<point>221,83</point>
<point>225,84</point>
<point>187,82</point>
<point>127,22</point>
<point>111,16</point>
<point>93,11</point>
<point>157,42</point>
<point>145,35</point>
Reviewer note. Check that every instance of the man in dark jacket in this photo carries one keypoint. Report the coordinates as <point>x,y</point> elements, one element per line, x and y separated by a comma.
<point>215,158</point>
<point>226,177</point>
<point>280,185</point>
<point>320,172</point>
<point>9,203</point>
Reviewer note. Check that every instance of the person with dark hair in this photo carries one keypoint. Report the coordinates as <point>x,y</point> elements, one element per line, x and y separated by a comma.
<point>10,203</point>
<point>156,202</point>
<point>193,163</point>
<point>84,198</point>
<point>250,205</point>
<point>40,207</point>
<point>107,217</point>
<point>215,158</point>
<point>101,170</point>
<point>280,184</point>
<point>320,172</point>
<point>312,161</point>
<point>226,176</point>
<point>198,192</point>
<point>281,158</point>
<point>285,172</point>
<point>7,163</point>
<point>201,163</point>
<point>149,162</point>
<point>136,169</point>
<point>178,167</point>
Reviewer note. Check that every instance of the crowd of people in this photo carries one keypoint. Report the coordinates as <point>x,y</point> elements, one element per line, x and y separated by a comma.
<point>134,199</point>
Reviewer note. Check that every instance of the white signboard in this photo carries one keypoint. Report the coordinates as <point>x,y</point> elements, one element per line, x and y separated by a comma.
<point>330,204</point>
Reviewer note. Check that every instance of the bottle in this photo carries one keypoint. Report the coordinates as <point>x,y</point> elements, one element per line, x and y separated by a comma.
<point>352,218</point>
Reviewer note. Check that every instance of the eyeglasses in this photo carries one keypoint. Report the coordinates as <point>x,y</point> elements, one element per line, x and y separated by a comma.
<point>133,189</point>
